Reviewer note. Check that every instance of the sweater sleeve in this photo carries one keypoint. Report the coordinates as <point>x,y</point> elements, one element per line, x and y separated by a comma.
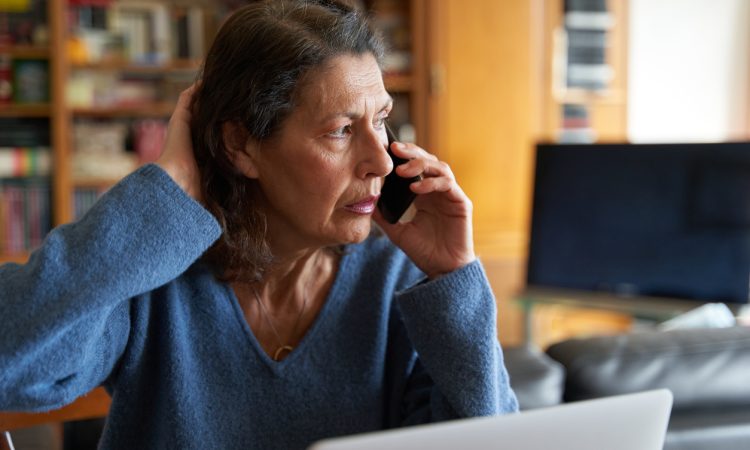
<point>459,372</point>
<point>65,313</point>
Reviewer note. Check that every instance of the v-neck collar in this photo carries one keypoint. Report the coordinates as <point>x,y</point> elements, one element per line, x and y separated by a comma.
<point>333,298</point>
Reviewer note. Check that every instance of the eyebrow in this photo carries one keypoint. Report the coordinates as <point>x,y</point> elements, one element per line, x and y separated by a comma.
<point>353,115</point>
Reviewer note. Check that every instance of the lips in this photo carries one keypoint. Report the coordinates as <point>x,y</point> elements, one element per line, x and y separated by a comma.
<point>364,206</point>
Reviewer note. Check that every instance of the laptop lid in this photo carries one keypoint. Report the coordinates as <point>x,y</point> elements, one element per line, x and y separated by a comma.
<point>625,422</point>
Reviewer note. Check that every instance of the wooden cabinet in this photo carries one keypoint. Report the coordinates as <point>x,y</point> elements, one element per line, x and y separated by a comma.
<point>481,108</point>
<point>45,134</point>
<point>488,76</point>
<point>608,107</point>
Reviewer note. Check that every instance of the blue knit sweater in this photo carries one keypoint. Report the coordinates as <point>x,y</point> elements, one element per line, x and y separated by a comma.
<point>121,299</point>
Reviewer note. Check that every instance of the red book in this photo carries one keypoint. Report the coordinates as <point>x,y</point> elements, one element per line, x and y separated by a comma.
<point>6,79</point>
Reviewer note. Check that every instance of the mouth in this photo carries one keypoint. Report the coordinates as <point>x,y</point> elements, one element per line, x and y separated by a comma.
<point>364,206</point>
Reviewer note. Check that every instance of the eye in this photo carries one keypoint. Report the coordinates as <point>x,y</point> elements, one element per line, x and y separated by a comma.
<point>380,121</point>
<point>341,132</point>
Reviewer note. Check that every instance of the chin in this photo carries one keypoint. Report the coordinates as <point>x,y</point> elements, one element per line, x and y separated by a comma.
<point>358,231</point>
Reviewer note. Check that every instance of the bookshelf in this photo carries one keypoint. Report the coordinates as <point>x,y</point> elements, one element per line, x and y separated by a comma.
<point>26,110</point>
<point>76,59</point>
<point>26,124</point>
<point>606,106</point>
<point>26,51</point>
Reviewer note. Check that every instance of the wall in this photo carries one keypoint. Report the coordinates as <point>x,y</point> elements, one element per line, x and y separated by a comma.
<point>688,76</point>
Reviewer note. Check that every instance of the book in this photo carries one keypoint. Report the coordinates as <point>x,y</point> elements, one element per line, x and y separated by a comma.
<point>589,76</point>
<point>84,199</point>
<point>148,139</point>
<point>24,161</point>
<point>585,5</point>
<point>576,126</point>
<point>27,132</point>
<point>30,81</point>
<point>24,213</point>
<point>23,22</point>
<point>6,79</point>
<point>189,31</point>
<point>146,29</point>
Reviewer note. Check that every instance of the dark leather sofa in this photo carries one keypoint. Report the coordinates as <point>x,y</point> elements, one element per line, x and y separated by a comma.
<point>707,370</point>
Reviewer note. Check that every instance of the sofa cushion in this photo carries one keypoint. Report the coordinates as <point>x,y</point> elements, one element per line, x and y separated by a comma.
<point>711,428</point>
<point>536,379</point>
<point>702,367</point>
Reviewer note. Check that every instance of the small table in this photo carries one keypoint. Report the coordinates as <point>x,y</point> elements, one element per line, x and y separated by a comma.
<point>654,309</point>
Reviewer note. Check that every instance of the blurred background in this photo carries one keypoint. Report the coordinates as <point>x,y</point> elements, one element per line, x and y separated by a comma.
<point>87,86</point>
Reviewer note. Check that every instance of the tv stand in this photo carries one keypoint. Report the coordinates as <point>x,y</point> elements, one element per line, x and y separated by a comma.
<point>649,309</point>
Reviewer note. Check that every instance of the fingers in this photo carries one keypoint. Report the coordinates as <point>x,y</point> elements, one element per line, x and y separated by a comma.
<point>182,109</point>
<point>437,175</point>
<point>177,157</point>
<point>411,151</point>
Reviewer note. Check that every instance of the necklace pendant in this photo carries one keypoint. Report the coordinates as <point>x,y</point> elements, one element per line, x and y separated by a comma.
<point>280,351</point>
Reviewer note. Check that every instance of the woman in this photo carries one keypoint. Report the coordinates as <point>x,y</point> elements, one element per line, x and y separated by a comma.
<point>298,322</point>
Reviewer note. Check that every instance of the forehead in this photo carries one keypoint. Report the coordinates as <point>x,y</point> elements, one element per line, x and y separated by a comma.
<point>345,84</point>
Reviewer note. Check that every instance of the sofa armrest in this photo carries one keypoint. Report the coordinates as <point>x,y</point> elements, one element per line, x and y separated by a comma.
<point>702,367</point>
<point>536,379</point>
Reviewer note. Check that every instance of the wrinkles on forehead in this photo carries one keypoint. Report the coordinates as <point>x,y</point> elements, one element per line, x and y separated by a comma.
<point>344,86</point>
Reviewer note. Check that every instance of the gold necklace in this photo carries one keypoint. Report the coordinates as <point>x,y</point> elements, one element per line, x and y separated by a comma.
<point>282,348</point>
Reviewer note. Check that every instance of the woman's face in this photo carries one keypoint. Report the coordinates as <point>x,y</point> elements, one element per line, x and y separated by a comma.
<point>320,176</point>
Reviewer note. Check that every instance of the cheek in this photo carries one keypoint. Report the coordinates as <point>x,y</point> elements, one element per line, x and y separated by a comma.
<point>331,184</point>
<point>316,185</point>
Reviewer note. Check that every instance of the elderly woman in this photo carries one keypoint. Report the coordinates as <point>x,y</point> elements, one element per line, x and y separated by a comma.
<point>235,293</point>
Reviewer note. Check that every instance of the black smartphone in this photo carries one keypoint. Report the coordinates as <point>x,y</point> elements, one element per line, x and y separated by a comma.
<point>395,197</point>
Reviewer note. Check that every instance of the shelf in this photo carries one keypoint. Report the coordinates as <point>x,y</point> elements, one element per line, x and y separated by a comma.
<point>19,258</point>
<point>582,96</point>
<point>157,109</point>
<point>25,110</point>
<point>130,67</point>
<point>26,51</point>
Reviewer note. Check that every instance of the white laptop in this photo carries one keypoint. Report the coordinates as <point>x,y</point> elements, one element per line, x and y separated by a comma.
<point>623,422</point>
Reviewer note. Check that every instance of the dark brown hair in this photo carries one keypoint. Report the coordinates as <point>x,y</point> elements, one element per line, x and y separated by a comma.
<point>250,79</point>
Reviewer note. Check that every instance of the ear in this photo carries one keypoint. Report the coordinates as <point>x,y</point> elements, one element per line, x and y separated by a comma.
<point>242,149</point>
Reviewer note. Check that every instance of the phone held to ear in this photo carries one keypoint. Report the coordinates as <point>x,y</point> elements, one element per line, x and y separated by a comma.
<point>395,196</point>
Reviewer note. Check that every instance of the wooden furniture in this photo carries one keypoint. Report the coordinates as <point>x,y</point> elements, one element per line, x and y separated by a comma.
<point>90,406</point>
<point>572,313</point>
<point>608,108</point>
<point>488,75</point>
<point>94,404</point>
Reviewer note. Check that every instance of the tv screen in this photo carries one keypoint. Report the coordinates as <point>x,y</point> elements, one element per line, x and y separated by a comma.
<point>663,220</point>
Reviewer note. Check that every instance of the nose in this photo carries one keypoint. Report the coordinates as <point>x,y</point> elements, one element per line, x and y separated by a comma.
<point>375,160</point>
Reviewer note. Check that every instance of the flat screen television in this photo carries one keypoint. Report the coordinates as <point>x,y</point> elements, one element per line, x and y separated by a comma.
<point>654,220</point>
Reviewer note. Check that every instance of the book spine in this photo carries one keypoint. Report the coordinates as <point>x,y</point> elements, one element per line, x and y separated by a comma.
<point>24,161</point>
<point>84,199</point>
<point>15,219</point>
<point>6,79</point>
<point>196,32</point>
<point>25,217</point>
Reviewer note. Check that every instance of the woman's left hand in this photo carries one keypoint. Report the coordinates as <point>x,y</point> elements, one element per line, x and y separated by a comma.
<point>439,237</point>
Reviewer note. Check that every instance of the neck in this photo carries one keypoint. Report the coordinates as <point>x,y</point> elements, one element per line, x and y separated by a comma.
<point>281,307</point>
<point>286,283</point>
